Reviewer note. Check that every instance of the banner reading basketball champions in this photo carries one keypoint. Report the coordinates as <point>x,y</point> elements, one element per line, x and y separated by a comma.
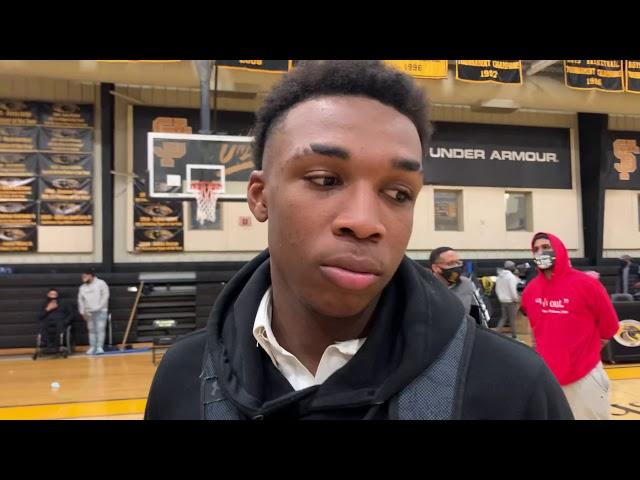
<point>632,72</point>
<point>432,69</point>
<point>487,155</point>
<point>607,75</point>
<point>492,71</point>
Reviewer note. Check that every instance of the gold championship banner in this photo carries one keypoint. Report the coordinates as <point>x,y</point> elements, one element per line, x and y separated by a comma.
<point>605,75</point>
<point>138,61</point>
<point>268,66</point>
<point>632,76</point>
<point>18,213</point>
<point>15,238</point>
<point>489,71</point>
<point>434,69</point>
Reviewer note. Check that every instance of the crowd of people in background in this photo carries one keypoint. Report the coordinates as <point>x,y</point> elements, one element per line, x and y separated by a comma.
<point>570,314</point>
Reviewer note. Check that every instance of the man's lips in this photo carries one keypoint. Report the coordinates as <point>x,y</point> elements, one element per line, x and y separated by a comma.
<point>351,273</point>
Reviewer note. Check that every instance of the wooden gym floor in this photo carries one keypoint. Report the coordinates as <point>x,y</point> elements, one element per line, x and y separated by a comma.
<point>115,387</point>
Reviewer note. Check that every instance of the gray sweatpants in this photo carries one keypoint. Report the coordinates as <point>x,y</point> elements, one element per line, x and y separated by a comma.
<point>509,311</point>
<point>589,396</point>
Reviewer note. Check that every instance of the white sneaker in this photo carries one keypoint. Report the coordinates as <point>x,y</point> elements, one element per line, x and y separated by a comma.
<point>100,351</point>
<point>91,351</point>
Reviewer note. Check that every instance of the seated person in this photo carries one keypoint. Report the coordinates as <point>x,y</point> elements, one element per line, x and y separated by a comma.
<point>54,314</point>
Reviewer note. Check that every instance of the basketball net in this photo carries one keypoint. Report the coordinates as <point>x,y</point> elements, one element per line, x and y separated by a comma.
<point>207,194</point>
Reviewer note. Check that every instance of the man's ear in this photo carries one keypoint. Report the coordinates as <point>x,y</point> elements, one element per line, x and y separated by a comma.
<point>256,196</point>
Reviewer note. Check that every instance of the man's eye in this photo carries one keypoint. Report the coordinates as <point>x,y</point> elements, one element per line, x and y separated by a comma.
<point>323,181</point>
<point>398,195</point>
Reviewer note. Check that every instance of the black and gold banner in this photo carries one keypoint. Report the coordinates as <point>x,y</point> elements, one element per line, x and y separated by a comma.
<point>65,188</point>
<point>18,189</point>
<point>158,240</point>
<point>492,71</point>
<point>138,61</point>
<point>18,164</point>
<point>66,213</point>
<point>632,73</point>
<point>18,139</point>
<point>61,178</point>
<point>66,140</point>
<point>18,239</point>
<point>18,213</point>
<point>139,192</point>
<point>66,164</point>
<point>18,113</point>
<point>622,157</point>
<point>433,69</point>
<point>269,66</point>
<point>70,115</point>
<point>156,218</point>
<point>606,75</point>
<point>158,214</point>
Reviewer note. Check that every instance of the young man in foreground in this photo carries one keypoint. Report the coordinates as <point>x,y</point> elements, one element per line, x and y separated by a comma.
<point>333,321</point>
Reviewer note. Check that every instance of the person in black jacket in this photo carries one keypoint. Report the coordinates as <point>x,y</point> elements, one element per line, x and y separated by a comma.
<point>333,320</point>
<point>54,316</point>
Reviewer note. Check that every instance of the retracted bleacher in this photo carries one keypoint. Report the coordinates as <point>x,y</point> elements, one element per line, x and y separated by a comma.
<point>166,309</point>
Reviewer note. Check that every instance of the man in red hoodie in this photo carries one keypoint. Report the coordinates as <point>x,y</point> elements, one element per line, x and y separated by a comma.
<point>571,317</point>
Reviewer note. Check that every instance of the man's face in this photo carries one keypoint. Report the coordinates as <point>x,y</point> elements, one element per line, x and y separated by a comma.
<point>448,266</point>
<point>543,254</point>
<point>339,183</point>
<point>86,278</point>
<point>52,295</point>
<point>448,259</point>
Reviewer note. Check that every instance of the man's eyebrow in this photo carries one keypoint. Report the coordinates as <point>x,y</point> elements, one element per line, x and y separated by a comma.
<point>329,150</point>
<point>335,151</point>
<point>407,164</point>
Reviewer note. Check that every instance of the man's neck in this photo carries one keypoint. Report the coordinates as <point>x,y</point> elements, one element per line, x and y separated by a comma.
<point>306,334</point>
<point>548,273</point>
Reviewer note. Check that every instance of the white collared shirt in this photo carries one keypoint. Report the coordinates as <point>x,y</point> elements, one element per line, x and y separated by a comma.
<point>333,358</point>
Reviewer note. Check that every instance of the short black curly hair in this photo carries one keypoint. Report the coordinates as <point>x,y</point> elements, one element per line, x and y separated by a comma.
<point>366,78</point>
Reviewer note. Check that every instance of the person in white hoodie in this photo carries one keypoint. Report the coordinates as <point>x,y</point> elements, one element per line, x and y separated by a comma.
<point>507,292</point>
<point>93,305</point>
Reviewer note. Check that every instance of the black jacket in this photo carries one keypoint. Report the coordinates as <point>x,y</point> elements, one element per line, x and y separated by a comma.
<point>62,315</point>
<point>415,319</point>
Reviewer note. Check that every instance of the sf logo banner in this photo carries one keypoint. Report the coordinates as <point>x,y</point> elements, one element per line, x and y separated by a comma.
<point>625,151</point>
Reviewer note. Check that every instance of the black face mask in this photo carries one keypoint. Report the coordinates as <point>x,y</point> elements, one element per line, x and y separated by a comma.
<point>452,275</point>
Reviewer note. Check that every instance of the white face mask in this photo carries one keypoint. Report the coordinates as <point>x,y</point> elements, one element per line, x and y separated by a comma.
<point>545,260</point>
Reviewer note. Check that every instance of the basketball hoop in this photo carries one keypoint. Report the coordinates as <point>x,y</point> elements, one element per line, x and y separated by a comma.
<point>207,194</point>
